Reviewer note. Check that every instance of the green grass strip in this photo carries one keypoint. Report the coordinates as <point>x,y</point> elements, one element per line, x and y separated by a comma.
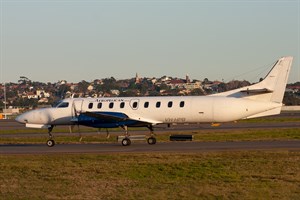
<point>222,175</point>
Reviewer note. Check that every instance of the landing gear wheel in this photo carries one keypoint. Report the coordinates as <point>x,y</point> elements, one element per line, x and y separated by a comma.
<point>151,140</point>
<point>126,142</point>
<point>50,143</point>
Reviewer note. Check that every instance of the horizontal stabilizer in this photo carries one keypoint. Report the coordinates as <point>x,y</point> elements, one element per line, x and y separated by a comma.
<point>257,91</point>
<point>274,111</point>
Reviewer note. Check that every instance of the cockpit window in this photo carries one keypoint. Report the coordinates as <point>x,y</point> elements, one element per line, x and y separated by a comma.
<point>63,105</point>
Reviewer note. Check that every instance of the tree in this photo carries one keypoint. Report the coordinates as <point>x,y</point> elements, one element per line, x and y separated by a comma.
<point>82,86</point>
<point>197,92</point>
<point>206,81</point>
<point>154,93</point>
<point>222,87</point>
<point>236,84</point>
<point>25,102</point>
<point>61,91</point>
<point>108,84</point>
<point>290,99</point>
<point>24,80</point>
<point>128,93</point>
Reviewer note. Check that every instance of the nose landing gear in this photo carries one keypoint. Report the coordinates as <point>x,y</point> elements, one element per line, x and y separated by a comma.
<point>50,142</point>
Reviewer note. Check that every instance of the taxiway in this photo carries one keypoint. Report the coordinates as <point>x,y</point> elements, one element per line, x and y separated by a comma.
<point>177,147</point>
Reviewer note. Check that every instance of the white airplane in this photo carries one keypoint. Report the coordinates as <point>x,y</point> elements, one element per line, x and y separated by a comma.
<point>261,99</point>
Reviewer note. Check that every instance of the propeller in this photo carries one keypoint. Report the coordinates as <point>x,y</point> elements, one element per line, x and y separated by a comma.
<point>75,115</point>
<point>107,133</point>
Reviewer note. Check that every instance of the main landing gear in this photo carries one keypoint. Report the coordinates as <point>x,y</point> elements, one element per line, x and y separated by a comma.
<point>127,141</point>
<point>50,142</point>
<point>151,140</point>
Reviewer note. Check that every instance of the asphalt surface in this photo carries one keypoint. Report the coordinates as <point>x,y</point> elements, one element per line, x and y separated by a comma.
<point>178,147</point>
<point>182,147</point>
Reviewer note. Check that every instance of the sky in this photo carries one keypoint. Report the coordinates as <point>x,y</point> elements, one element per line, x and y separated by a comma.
<point>74,40</point>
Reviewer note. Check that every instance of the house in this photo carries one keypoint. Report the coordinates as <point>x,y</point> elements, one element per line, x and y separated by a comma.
<point>176,83</point>
<point>42,94</point>
<point>31,95</point>
<point>192,86</point>
<point>43,100</point>
<point>293,88</point>
<point>90,88</point>
<point>115,92</point>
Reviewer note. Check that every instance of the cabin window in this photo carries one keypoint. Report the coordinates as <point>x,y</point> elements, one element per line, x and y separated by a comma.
<point>146,104</point>
<point>170,104</point>
<point>158,104</point>
<point>91,105</point>
<point>63,105</point>
<point>135,104</point>
<point>181,104</point>
<point>99,105</point>
<point>111,105</point>
<point>122,104</point>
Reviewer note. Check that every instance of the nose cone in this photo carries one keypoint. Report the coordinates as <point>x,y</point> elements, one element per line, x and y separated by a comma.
<point>21,119</point>
<point>40,116</point>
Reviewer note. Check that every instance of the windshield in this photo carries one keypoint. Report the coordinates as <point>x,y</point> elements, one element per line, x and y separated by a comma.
<point>63,105</point>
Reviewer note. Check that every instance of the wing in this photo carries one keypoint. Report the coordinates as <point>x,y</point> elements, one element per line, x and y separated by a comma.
<point>107,116</point>
<point>112,119</point>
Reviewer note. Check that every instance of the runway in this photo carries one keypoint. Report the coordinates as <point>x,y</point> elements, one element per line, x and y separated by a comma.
<point>166,147</point>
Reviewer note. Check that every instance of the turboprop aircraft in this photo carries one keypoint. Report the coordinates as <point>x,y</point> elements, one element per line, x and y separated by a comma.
<point>261,99</point>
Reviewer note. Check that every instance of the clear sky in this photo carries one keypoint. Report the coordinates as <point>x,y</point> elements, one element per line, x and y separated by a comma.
<point>74,40</point>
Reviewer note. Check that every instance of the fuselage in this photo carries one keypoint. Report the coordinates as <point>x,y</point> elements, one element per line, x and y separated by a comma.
<point>151,110</point>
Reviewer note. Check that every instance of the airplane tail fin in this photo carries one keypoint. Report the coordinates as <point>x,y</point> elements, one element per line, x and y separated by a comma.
<point>277,79</point>
<point>271,88</point>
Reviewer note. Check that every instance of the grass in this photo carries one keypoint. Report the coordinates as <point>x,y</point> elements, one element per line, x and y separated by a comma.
<point>211,175</point>
<point>223,175</point>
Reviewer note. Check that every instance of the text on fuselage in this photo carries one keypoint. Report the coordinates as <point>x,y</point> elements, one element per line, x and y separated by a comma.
<point>175,120</point>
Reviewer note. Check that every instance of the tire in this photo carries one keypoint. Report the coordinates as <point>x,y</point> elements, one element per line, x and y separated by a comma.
<point>50,143</point>
<point>151,140</point>
<point>126,142</point>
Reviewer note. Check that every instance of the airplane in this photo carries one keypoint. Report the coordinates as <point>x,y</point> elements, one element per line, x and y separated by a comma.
<point>261,99</point>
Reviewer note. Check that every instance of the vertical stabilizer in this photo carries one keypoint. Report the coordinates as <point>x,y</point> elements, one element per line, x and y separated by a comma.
<point>277,79</point>
<point>271,88</point>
